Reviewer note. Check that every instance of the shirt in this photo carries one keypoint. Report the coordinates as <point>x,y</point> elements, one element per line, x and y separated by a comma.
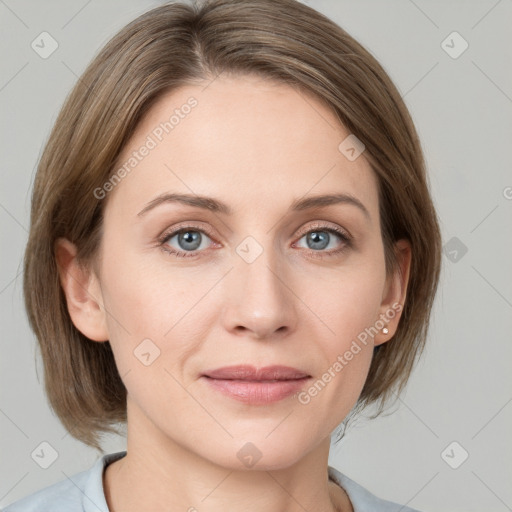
<point>83,492</point>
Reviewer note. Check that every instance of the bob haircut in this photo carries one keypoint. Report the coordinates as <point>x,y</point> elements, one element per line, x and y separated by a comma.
<point>179,44</point>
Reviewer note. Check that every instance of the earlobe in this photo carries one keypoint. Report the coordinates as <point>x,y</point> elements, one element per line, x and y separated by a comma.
<point>395,293</point>
<point>82,291</point>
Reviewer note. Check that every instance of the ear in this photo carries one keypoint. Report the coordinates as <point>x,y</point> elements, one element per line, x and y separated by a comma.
<point>83,292</point>
<point>395,291</point>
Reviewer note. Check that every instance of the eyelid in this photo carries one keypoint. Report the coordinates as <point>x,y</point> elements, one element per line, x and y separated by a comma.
<point>185,226</point>
<point>200,227</point>
<point>319,224</point>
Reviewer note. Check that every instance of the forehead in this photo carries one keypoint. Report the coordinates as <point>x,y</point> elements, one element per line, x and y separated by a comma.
<point>245,140</point>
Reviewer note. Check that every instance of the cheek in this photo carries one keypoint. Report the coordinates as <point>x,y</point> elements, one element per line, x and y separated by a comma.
<point>347,301</point>
<point>348,305</point>
<point>152,302</point>
<point>139,295</point>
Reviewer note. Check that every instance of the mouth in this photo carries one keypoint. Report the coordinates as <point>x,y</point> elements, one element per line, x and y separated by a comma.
<point>250,373</point>
<point>254,386</point>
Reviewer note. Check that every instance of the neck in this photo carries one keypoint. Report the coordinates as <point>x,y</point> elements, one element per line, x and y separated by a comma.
<point>158,473</point>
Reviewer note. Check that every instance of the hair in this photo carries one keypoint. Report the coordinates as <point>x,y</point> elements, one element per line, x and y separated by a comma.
<point>178,44</point>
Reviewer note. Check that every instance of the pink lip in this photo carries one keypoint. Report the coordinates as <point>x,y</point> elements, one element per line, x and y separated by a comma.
<point>250,373</point>
<point>256,386</point>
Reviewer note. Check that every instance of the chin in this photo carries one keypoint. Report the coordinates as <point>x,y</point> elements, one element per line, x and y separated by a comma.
<point>259,452</point>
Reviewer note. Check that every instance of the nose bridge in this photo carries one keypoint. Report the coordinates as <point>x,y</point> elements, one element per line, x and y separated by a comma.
<point>260,299</point>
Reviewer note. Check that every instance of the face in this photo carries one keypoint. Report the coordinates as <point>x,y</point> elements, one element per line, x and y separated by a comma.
<point>260,275</point>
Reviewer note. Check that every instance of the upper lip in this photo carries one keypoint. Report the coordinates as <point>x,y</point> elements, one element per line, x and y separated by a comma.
<point>250,373</point>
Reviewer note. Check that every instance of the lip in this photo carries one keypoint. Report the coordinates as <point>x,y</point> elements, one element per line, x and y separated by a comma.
<point>250,373</point>
<point>250,385</point>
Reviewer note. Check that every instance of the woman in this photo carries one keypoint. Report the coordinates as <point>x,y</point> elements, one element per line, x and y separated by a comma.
<point>232,248</point>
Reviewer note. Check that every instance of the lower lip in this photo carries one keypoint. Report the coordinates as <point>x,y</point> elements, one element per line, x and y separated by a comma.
<point>257,393</point>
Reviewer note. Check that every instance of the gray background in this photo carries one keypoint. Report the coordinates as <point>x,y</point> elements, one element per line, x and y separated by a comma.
<point>462,389</point>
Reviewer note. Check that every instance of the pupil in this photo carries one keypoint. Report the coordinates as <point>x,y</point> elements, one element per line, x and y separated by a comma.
<point>190,237</point>
<point>319,239</point>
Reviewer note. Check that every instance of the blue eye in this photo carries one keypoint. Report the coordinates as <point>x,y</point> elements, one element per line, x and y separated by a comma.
<point>319,239</point>
<point>191,241</point>
<point>188,239</point>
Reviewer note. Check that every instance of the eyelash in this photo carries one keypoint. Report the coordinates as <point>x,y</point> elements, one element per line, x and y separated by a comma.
<point>346,239</point>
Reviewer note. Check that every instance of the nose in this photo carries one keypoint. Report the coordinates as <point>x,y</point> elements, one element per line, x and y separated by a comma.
<point>259,299</point>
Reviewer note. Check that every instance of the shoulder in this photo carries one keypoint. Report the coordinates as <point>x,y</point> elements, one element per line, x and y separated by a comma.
<point>362,499</point>
<point>82,492</point>
<point>62,496</point>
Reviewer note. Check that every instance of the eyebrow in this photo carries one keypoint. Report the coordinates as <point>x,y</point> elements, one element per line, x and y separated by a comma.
<point>216,206</point>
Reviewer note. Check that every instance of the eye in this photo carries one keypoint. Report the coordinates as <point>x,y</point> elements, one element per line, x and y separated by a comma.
<point>323,237</point>
<point>190,241</point>
<point>184,242</point>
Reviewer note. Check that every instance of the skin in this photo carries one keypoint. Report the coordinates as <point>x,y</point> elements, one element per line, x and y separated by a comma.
<point>257,146</point>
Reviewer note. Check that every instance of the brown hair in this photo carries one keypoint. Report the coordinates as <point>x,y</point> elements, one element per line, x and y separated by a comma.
<point>178,44</point>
